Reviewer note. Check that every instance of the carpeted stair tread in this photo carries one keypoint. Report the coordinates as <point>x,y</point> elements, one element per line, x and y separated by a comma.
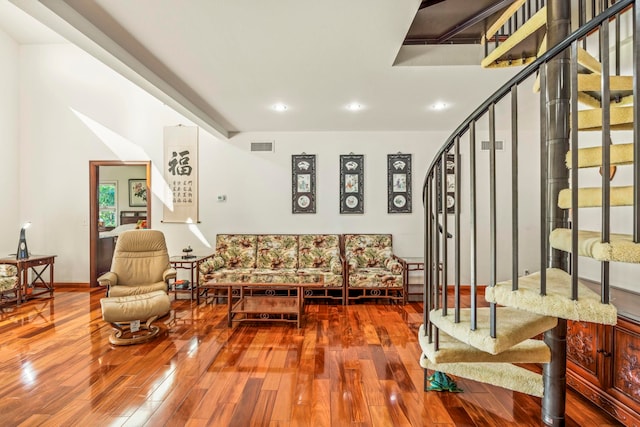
<point>504,375</point>
<point>522,46</point>
<point>587,64</point>
<point>588,157</point>
<point>557,302</point>
<point>621,118</point>
<point>513,326</point>
<point>589,197</point>
<point>621,247</point>
<point>453,351</point>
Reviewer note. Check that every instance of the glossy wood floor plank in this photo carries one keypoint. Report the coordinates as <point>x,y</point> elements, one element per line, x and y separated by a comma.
<point>355,365</point>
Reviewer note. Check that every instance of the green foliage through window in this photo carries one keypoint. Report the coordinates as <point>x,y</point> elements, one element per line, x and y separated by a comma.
<point>107,201</point>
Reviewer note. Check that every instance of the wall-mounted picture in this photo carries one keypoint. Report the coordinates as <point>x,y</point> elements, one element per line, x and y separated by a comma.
<point>399,183</point>
<point>450,195</point>
<point>137,192</point>
<point>303,187</point>
<point>351,184</point>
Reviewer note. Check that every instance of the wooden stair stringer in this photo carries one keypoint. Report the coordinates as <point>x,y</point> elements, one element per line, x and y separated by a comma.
<point>505,375</point>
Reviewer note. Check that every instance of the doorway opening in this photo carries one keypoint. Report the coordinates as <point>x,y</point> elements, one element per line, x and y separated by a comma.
<point>119,197</point>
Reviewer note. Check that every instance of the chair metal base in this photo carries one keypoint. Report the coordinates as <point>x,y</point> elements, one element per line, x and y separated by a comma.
<point>122,334</point>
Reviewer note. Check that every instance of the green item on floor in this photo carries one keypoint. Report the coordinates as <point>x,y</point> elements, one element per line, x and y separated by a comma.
<point>440,381</point>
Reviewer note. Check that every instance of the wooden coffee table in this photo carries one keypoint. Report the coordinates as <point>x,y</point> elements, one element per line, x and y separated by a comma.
<point>258,302</point>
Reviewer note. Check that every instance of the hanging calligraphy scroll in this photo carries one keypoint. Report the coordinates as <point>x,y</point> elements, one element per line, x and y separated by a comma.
<point>181,174</point>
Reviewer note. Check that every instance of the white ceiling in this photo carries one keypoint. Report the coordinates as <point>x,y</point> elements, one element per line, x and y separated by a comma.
<point>230,61</point>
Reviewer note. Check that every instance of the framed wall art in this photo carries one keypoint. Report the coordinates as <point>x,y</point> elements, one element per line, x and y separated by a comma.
<point>351,183</point>
<point>303,184</point>
<point>137,192</point>
<point>181,174</point>
<point>399,183</point>
<point>450,195</point>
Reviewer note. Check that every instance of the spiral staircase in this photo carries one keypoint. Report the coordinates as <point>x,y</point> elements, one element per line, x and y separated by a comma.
<point>585,110</point>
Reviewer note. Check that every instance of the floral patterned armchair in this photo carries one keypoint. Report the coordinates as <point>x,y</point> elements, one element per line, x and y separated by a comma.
<point>373,271</point>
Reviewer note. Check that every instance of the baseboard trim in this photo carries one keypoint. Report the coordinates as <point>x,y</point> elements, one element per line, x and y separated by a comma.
<point>71,285</point>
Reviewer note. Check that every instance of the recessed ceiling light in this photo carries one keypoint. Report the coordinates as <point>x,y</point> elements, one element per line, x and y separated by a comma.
<point>354,106</point>
<point>438,106</point>
<point>280,107</point>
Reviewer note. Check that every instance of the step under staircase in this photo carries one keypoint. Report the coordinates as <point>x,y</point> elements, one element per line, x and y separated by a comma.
<point>488,344</point>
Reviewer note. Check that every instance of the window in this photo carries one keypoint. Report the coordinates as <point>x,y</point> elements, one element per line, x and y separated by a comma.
<point>108,205</point>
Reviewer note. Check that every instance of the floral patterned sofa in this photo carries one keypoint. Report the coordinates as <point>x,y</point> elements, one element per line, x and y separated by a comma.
<point>373,271</point>
<point>277,258</point>
<point>9,284</point>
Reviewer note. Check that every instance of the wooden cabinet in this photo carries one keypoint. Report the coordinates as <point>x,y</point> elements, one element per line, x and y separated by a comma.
<point>603,364</point>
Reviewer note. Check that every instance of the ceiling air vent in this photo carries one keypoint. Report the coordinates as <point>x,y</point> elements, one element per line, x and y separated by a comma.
<point>486,145</point>
<point>263,146</point>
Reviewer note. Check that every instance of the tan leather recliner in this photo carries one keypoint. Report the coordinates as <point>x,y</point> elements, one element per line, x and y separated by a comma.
<point>140,265</point>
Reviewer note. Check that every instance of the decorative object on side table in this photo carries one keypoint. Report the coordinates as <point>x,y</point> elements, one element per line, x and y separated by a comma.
<point>303,185</point>
<point>399,183</point>
<point>187,253</point>
<point>23,252</point>
<point>351,183</point>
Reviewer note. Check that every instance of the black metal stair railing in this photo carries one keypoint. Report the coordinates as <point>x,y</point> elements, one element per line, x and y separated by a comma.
<point>436,249</point>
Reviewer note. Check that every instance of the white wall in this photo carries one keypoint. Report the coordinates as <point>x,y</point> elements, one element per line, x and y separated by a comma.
<point>57,143</point>
<point>9,214</point>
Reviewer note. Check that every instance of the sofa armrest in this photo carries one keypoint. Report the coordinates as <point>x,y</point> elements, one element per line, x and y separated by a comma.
<point>352,264</point>
<point>212,264</point>
<point>393,265</point>
<point>108,279</point>
<point>336,265</point>
<point>169,274</point>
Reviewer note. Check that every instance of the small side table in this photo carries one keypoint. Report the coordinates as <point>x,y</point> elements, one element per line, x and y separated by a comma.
<point>192,263</point>
<point>412,264</point>
<point>38,265</point>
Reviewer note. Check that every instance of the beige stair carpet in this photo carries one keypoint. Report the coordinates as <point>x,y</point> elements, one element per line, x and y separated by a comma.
<point>453,351</point>
<point>589,197</point>
<point>587,64</point>
<point>507,53</point>
<point>513,326</point>
<point>504,375</point>
<point>621,118</point>
<point>557,302</point>
<point>621,248</point>
<point>588,157</point>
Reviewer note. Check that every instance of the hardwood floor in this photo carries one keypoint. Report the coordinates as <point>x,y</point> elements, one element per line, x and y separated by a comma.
<point>354,365</point>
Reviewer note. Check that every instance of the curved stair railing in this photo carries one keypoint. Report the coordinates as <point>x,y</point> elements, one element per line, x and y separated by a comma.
<point>494,192</point>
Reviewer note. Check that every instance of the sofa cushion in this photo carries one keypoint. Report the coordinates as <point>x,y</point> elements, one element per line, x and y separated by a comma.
<point>331,280</point>
<point>282,275</point>
<point>367,250</point>
<point>374,278</point>
<point>236,250</point>
<point>320,251</point>
<point>226,275</point>
<point>277,251</point>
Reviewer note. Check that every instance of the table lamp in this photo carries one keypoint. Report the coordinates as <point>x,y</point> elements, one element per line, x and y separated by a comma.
<point>23,252</point>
